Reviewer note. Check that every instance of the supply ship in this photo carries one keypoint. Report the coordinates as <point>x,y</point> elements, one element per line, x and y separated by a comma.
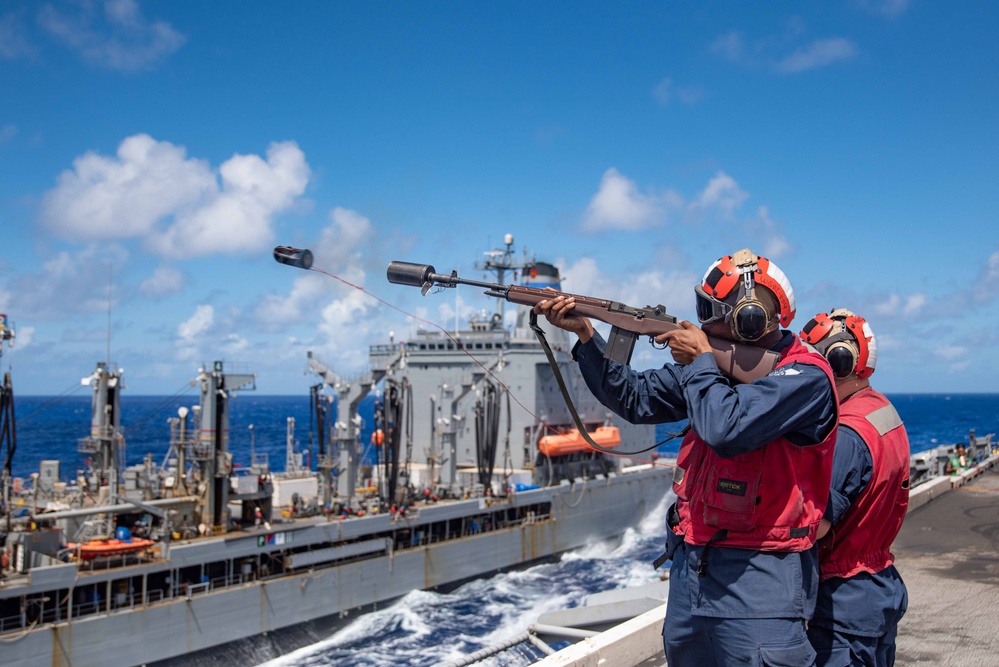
<point>479,468</point>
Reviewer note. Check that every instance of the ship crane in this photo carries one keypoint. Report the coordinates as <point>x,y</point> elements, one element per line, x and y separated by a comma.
<point>346,430</point>
<point>212,446</point>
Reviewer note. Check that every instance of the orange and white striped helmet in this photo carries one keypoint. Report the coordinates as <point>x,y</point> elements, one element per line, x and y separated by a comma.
<point>727,293</point>
<point>845,340</point>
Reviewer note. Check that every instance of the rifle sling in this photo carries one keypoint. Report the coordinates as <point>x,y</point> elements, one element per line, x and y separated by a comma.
<point>576,419</point>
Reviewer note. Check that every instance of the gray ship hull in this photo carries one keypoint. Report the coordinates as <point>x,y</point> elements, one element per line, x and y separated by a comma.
<point>204,619</point>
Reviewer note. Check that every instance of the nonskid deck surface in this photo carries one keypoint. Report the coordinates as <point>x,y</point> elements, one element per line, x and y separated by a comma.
<point>948,555</point>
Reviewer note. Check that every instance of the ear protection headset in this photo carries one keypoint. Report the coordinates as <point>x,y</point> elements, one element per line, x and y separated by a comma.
<point>845,340</point>
<point>738,275</point>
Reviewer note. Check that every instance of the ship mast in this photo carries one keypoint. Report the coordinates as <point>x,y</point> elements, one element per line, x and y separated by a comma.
<point>212,448</point>
<point>8,427</point>
<point>498,262</point>
<point>106,443</point>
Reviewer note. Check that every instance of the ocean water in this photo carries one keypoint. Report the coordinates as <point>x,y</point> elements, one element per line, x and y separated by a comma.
<point>50,427</point>
<point>428,628</point>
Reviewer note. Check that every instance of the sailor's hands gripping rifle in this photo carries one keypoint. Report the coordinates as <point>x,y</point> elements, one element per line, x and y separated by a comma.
<point>743,363</point>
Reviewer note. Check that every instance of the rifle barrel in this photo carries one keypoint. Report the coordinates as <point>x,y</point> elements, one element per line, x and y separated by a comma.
<point>425,275</point>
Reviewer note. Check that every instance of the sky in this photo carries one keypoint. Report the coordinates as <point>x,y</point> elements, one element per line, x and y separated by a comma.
<point>152,154</point>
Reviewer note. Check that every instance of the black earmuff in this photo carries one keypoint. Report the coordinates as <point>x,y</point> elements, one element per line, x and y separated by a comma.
<point>750,320</point>
<point>842,358</point>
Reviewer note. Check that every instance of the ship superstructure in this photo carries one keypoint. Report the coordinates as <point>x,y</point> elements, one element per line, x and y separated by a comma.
<point>462,382</point>
<point>196,555</point>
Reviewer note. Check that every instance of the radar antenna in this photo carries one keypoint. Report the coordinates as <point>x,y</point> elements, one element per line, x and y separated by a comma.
<point>498,262</point>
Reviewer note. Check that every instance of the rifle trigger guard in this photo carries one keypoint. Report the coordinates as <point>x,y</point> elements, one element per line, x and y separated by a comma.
<point>652,340</point>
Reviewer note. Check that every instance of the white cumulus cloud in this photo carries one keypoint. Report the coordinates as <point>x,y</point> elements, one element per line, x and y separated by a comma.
<point>165,281</point>
<point>618,204</point>
<point>197,324</point>
<point>70,283</point>
<point>896,304</point>
<point>721,193</point>
<point>177,206</point>
<point>339,251</point>
<point>124,196</point>
<point>673,288</point>
<point>772,241</point>
<point>209,333</point>
<point>233,344</point>
<point>239,216</point>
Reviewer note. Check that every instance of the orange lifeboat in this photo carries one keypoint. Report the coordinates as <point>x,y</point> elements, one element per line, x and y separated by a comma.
<point>572,441</point>
<point>110,547</point>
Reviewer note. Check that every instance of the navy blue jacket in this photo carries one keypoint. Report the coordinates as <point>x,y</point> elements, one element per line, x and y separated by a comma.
<point>796,401</point>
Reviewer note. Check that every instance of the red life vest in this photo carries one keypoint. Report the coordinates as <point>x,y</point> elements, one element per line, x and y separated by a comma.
<point>770,499</point>
<point>860,542</point>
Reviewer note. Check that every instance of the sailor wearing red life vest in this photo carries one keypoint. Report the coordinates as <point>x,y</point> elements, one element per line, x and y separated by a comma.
<point>752,477</point>
<point>861,595</point>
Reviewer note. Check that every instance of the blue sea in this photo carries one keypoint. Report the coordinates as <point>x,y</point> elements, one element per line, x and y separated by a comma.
<point>428,628</point>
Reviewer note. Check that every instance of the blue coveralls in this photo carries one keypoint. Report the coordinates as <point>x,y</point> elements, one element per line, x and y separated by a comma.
<point>856,619</point>
<point>749,607</point>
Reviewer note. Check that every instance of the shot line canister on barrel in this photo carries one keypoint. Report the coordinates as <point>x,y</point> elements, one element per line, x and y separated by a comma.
<point>300,257</point>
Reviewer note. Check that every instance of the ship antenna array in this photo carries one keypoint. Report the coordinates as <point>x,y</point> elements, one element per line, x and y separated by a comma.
<point>498,262</point>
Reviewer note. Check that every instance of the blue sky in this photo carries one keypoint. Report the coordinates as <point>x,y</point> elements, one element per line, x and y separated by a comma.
<point>164,148</point>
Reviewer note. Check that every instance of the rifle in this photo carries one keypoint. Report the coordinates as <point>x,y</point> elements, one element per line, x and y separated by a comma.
<point>742,363</point>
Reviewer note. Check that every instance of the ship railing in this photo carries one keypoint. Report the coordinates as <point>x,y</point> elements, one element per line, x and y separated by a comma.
<point>88,608</point>
<point>195,589</point>
<point>222,582</point>
<point>191,589</point>
<point>118,602</point>
<point>101,436</point>
<point>88,445</point>
<point>130,600</point>
<point>10,623</point>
